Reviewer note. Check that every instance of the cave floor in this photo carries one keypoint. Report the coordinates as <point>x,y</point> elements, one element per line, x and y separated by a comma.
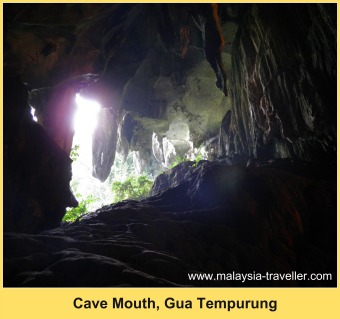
<point>221,220</point>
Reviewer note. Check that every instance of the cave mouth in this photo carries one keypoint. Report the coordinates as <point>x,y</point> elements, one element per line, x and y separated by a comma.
<point>123,182</point>
<point>89,191</point>
<point>259,194</point>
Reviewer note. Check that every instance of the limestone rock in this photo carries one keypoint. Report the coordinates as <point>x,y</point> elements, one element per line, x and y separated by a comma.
<point>37,172</point>
<point>215,218</point>
<point>266,204</point>
<point>104,142</point>
<point>283,56</point>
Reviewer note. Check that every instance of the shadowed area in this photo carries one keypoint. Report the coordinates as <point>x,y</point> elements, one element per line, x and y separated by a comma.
<point>229,110</point>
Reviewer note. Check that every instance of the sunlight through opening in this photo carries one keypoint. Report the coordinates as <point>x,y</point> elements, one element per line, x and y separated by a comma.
<point>83,184</point>
<point>86,117</point>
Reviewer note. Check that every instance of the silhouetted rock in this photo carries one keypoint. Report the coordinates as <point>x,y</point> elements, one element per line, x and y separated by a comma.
<point>266,202</point>
<point>217,219</point>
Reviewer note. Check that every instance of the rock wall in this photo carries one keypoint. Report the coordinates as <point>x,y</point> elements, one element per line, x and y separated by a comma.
<point>217,219</point>
<point>133,57</point>
<point>213,217</point>
<point>37,172</point>
<point>162,72</point>
<point>155,61</point>
<point>172,98</point>
<point>283,84</point>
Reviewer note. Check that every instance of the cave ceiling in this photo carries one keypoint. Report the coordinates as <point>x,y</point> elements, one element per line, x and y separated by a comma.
<point>250,83</point>
<point>167,74</point>
<point>164,64</point>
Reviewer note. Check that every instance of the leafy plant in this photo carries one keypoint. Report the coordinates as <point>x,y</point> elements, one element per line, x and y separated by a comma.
<point>82,209</point>
<point>198,156</point>
<point>132,188</point>
<point>74,154</point>
<point>178,160</point>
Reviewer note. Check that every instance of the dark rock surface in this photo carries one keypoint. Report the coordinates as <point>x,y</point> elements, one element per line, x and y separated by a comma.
<point>283,84</point>
<point>37,172</point>
<point>160,72</point>
<point>219,219</point>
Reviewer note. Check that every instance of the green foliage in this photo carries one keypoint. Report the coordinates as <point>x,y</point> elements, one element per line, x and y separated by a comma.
<point>178,160</point>
<point>82,209</point>
<point>74,152</point>
<point>181,159</point>
<point>121,169</point>
<point>198,157</point>
<point>132,188</point>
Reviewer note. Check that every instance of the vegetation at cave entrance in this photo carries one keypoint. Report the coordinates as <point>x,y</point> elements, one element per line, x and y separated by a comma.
<point>195,157</point>
<point>122,183</point>
<point>136,188</point>
<point>82,209</point>
<point>133,187</point>
<point>74,155</point>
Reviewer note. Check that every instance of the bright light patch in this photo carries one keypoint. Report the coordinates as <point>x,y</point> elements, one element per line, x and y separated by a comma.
<point>85,122</point>
<point>83,183</point>
<point>33,114</point>
<point>86,116</point>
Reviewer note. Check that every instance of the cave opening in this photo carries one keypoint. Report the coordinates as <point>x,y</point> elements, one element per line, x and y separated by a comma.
<point>89,191</point>
<point>124,180</point>
<point>256,185</point>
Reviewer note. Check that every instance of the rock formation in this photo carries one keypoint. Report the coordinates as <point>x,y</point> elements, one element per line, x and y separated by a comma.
<point>217,219</point>
<point>283,84</point>
<point>252,87</point>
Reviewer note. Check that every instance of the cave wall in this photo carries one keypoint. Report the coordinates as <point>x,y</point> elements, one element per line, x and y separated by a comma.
<point>170,99</point>
<point>158,76</point>
<point>283,84</point>
<point>37,172</point>
<point>109,52</point>
<point>164,62</point>
<point>161,73</point>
